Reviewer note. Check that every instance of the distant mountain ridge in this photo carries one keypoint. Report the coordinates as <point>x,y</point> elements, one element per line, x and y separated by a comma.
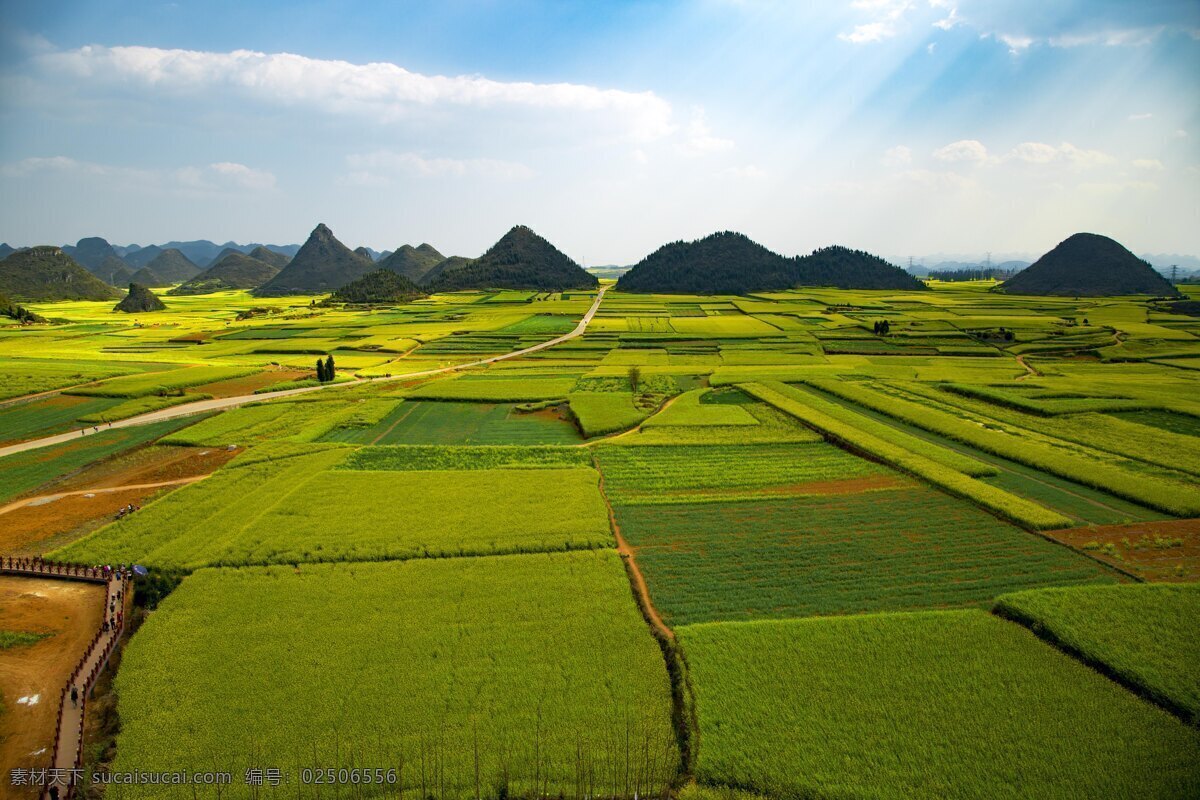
<point>413,263</point>
<point>321,265</point>
<point>234,271</point>
<point>519,260</point>
<point>47,274</point>
<point>1089,265</point>
<point>732,263</point>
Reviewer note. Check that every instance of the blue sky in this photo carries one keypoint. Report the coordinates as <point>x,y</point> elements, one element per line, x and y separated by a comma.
<point>899,126</point>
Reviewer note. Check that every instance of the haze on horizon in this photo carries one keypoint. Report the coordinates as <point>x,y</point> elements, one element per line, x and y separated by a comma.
<point>896,126</point>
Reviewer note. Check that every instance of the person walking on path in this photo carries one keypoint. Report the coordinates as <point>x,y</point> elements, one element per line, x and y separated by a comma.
<point>74,696</point>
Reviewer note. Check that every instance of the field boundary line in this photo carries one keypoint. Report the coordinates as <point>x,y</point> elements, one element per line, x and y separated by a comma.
<point>1002,610</point>
<point>982,455</point>
<point>683,699</point>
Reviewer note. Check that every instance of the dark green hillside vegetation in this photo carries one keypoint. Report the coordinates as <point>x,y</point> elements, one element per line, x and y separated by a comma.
<point>730,263</point>
<point>113,271</point>
<point>148,277</point>
<point>1089,265</point>
<point>268,256</point>
<point>380,286</point>
<point>520,260</point>
<point>91,253</point>
<point>723,263</point>
<point>413,263</point>
<point>449,265</point>
<point>140,258</point>
<point>47,274</point>
<point>321,265</point>
<point>173,266</point>
<point>228,251</point>
<point>852,269</point>
<point>13,311</point>
<point>234,271</point>
<point>139,299</point>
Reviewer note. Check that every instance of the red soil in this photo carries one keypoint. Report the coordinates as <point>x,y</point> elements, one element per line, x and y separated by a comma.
<point>1175,563</point>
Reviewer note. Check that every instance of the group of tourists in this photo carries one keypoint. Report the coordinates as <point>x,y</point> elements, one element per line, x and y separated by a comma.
<point>126,510</point>
<point>95,429</point>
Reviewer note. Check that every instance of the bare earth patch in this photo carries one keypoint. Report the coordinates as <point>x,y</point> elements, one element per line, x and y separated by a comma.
<point>1168,550</point>
<point>248,384</point>
<point>49,522</point>
<point>71,612</point>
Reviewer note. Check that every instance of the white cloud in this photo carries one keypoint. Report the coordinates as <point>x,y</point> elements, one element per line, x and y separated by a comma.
<point>383,91</point>
<point>243,176</point>
<point>699,140</point>
<point>222,176</point>
<point>1076,23</point>
<point>1148,164</point>
<point>1017,44</point>
<point>1181,134</point>
<point>897,156</point>
<point>1065,153</point>
<point>1113,37</point>
<point>377,168</point>
<point>970,151</point>
<point>870,32</point>
<point>951,20</point>
<point>885,15</point>
<point>1139,117</point>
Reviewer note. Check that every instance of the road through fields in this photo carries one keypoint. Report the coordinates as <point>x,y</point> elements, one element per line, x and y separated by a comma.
<point>222,403</point>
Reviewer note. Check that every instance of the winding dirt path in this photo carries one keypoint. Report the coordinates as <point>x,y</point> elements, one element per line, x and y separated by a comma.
<point>629,556</point>
<point>222,403</point>
<point>1030,372</point>
<point>49,498</point>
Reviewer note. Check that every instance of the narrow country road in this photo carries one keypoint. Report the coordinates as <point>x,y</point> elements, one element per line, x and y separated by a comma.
<point>47,498</point>
<point>222,403</point>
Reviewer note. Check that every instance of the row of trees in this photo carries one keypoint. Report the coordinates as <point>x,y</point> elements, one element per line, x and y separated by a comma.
<point>326,371</point>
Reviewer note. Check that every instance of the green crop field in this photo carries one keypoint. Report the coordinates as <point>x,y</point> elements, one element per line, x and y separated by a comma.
<point>26,471</point>
<point>653,475</point>
<point>425,667</point>
<point>930,705</point>
<point>427,422</point>
<point>750,541</point>
<point>300,510</point>
<point>161,382</point>
<point>1143,634</point>
<point>885,550</point>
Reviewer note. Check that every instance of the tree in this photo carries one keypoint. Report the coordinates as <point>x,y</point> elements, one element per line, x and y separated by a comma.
<point>330,369</point>
<point>320,370</point>
<point>635,378</point>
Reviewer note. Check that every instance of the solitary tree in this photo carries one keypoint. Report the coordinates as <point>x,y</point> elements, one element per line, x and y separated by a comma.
<point>330,370</point>
<point>320,370</point>
<point>635,378</point>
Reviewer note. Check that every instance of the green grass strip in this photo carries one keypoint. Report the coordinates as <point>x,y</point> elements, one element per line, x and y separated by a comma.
<point>1143,635</point>
<point>1167,496</point>
<point>1017,509</point>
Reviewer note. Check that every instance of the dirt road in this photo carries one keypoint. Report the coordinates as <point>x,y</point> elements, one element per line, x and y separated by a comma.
<point>222,403</point>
